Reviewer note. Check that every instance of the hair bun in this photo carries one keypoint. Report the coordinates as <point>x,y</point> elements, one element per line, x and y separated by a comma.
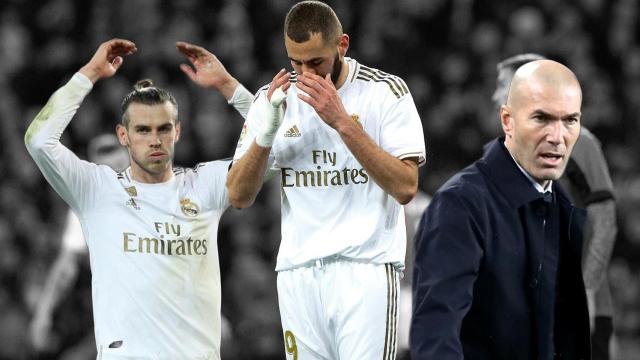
<point>142,84</point>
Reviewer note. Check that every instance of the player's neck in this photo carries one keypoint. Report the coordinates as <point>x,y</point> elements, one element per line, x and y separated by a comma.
<point>143,176</point>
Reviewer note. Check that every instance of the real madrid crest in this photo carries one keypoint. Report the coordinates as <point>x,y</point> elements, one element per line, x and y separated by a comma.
<point>189,208</point>
<point>132,191</point>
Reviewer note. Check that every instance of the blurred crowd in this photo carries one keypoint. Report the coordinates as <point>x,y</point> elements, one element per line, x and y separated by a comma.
<point>446,51</point>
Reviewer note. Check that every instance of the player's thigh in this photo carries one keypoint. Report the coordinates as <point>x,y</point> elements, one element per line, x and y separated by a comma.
<point>297,349</point>
<point>303,321</point>
<point>367,327</point>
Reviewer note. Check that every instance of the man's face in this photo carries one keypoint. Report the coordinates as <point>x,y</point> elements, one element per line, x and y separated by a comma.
<point>315,56</point>
<point>150,137</point>
<point>499,96</point>
<point>542,128</point>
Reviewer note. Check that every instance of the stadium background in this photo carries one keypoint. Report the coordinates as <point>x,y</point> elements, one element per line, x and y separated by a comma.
<point>446,50</point>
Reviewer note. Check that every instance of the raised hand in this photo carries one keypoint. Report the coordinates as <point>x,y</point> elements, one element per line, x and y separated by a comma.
<point>280,80</point>
<point>322,95</point>
<point>207,70</point>
<point>108,59</point>
<point>273,109</point>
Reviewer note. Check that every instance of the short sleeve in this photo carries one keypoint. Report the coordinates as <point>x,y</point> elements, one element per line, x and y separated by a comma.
<point>402,134</point>
<point>241,100</point>
<point>212,178</point>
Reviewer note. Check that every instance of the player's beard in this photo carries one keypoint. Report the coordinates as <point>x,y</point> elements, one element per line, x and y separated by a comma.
<point>337,68</point>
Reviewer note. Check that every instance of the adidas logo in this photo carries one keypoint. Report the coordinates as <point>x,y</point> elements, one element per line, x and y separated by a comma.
<point>132,203</point>
<point>293,132</point>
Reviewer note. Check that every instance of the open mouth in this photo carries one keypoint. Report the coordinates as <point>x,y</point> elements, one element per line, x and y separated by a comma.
<point>551,158</point>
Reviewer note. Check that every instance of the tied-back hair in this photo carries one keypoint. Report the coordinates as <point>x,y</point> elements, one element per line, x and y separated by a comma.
<point>145,93</point>
<point>312,17</point>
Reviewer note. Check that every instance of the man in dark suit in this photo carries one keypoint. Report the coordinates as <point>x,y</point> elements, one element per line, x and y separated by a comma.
<point>497,272</point>
<point>588,182</point>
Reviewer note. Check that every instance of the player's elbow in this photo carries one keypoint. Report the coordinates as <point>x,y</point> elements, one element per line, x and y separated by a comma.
<point>240,203</point>
<point>29,140</point>
<point>406,184</point>
<point>35,146</point>
<point>239,199</point>
<point>35,139</point>
<point>404,199</point>
<point>406,194</point>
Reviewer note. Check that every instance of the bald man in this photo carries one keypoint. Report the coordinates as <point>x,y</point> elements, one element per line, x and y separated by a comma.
<point>498,254</point>
<point>588,182</point>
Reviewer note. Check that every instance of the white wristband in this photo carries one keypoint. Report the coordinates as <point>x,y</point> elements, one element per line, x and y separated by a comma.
<point>273,115</point>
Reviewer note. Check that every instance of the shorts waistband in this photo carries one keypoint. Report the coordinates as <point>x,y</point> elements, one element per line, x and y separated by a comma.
<point>321,262</point>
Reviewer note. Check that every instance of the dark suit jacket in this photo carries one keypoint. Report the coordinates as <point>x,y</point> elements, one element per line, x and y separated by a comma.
<point>478,286</point>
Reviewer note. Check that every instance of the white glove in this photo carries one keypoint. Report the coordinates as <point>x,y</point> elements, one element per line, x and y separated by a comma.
<point>274,113</point>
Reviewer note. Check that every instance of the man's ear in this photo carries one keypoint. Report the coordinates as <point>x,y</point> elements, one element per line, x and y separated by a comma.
<point>506,120</point>
<point>121,132</point>
<point>343,45</point>
<point>178,129</point>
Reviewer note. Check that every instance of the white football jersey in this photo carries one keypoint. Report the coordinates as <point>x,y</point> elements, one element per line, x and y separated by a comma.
<point>153,247</point>
<point>330,204</point>
<point>72,237</point>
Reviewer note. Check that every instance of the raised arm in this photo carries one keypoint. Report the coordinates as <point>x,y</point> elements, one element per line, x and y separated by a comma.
<point>246,175</point>
<point>397,177</point>
<point>105,63</point>
<point>207,71</point>
<point>58,164</point>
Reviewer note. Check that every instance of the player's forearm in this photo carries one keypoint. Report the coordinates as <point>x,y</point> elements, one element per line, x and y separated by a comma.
<point>59,165</point>
<point>90,72</point>
<point>602,220</point>
<point>240,99</point>
<point>246,176</point>
<point>398,178</point>
<point>228,87</point>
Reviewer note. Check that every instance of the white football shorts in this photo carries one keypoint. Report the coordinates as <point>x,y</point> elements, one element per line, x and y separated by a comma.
<point>336,308</point>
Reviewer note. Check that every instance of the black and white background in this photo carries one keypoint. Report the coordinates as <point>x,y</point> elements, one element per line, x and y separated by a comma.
<point>446,51</point>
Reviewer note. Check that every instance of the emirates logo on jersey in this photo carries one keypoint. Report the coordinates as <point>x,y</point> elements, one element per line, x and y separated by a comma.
<point>327,172</point>
<point>189,208</point>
